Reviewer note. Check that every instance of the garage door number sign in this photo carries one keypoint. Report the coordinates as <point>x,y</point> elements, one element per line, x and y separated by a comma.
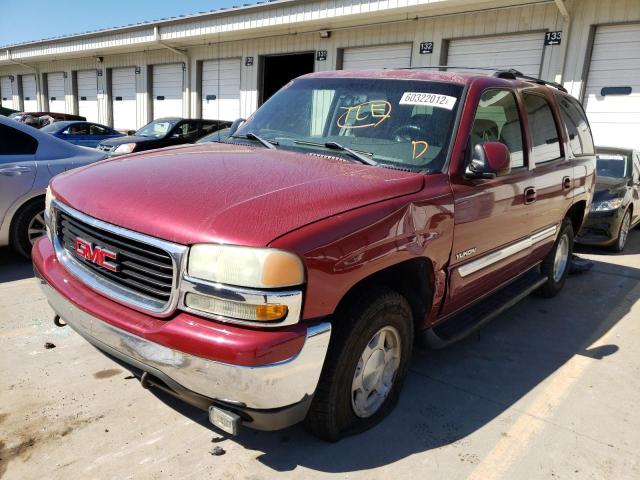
<point>428,99</point>
<point>553,38</point>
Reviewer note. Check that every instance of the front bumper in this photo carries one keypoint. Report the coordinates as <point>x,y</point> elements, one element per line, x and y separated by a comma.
<point>273,387</point>
<point>601,228</point>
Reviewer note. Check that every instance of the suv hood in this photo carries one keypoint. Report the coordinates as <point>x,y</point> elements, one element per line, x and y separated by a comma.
<point>226,193</point>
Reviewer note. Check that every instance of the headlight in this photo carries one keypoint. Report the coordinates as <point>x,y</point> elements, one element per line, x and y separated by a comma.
<point>125,148</point>
<point>47,201</point>
<point>245,266</point>
<point>606,205</point>
<point>48,197</point>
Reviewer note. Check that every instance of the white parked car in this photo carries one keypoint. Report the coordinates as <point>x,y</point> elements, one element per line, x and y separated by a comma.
<point>28,160</point>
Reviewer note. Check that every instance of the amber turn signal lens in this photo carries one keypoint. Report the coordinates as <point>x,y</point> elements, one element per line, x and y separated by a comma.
<point>235,310</point>
<point>270,312</point>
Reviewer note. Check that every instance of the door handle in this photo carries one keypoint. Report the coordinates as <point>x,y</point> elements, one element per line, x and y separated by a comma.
<point>530,195</point>
<point>13,171</point>
<point>566,183</point>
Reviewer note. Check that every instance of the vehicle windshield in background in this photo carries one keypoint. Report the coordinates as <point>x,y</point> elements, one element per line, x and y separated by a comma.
<point>52,127</point>
<point>397,122</point>
<point>157,128</point>
<point>612,165</point>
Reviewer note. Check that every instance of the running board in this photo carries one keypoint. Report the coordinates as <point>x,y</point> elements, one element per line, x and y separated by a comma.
<point>462,324</point>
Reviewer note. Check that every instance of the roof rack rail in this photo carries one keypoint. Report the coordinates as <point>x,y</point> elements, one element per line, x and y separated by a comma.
<point>513,74</point>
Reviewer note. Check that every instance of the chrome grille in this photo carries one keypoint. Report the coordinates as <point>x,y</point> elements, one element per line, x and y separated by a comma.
<point>147,268</point>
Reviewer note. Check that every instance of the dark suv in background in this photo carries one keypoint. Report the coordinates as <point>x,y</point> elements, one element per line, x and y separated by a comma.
<point>162,132</point>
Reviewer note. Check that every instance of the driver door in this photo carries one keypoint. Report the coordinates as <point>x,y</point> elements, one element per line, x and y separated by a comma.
<point>491,215</point>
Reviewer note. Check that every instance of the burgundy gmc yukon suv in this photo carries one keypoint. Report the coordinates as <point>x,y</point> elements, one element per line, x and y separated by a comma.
<point>285,274</point>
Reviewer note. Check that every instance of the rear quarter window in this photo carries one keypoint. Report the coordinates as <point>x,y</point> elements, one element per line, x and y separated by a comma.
<point>15,142</point>
<point>575,121</point>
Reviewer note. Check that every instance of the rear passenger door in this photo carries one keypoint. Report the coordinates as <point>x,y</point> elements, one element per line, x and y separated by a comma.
<point>553,171</point>
<point>491,216</point>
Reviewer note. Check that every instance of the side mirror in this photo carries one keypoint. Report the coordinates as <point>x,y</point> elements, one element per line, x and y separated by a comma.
<point>131,132</point>
<point>488,160</point>
<point>235,125</point>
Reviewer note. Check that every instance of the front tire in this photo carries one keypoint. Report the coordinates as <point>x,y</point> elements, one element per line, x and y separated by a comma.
<point>623,233</point>
<point>555,265</point>
<point>367,362</point>
<point>28,226</point>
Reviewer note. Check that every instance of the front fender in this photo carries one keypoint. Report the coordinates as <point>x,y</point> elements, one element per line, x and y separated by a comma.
<point>341,251</point>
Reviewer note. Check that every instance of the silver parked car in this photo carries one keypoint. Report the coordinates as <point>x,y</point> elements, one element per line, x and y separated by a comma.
<point>28,160</point>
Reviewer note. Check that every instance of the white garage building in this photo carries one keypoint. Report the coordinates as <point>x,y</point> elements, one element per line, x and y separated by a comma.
<point>223,64</point>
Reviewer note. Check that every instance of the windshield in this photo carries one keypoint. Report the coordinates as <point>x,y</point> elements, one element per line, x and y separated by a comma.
<point>157,128</point>
<point>612,165</point>
<point>397,122</point>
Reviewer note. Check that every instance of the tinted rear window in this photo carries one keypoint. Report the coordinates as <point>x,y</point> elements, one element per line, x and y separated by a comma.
<point>580,139</point>
<point>15,142</point>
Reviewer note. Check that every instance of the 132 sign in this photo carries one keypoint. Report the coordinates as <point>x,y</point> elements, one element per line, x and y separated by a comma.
<point>553,38</point>
<point>426,48</point>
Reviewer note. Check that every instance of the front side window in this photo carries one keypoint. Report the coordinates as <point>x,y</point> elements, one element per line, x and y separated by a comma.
<point>404,123</point>
<point>580,139</point>
<point>613,164</point>
<point>497,120</point>
<point>546,140</point>
<point>15,142</point>
<point>187,129</point>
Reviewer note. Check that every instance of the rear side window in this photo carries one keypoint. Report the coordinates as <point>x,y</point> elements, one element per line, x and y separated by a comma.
<point>497,120</point>
<point>546,141</point>
<point>573,116</point>
<point>98,130</point>
<point>15,142</point>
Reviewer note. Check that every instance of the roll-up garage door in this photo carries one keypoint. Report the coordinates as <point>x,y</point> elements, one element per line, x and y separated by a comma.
<point>55,91</point>
<point>123,94</point>
<point>221,89</point>
<point>522,51</point>
<point>167,90</point>
<point>6,92</point>
<point>29,93</point>
<point>612,93</point>
<point>88,94</point>
<point>383,56</point>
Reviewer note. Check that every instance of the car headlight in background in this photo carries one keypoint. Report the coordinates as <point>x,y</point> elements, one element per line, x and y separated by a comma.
<point>606,205</point>
<point>245,266</point>
<point>124,148</point>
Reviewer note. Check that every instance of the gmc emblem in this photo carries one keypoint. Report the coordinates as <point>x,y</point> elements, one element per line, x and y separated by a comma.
<point>95,254</point>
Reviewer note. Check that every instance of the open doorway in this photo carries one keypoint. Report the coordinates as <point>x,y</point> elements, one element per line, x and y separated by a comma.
<point>278,70</point>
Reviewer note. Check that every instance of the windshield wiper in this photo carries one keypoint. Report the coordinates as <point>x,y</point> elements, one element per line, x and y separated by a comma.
<point>360,157</point>
<point>253,136</point>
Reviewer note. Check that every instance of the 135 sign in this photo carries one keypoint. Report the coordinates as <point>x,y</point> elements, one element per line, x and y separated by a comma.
<point>553,38</point>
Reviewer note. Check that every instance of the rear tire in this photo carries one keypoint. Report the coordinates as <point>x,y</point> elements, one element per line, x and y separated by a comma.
<point>557,262</point>
<point>367,362</point>
<point>28,225</point>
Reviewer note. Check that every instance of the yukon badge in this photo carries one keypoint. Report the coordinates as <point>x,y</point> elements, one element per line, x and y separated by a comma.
<point>466,253</point>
